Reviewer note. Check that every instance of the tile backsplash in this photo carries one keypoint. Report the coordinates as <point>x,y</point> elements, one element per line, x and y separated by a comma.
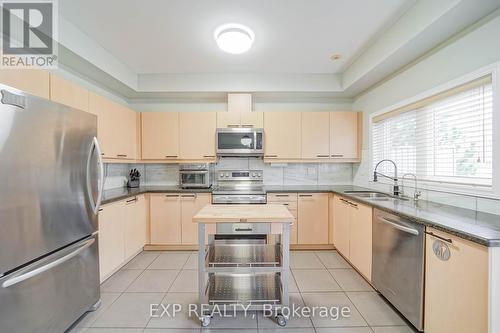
<point>274,174</point>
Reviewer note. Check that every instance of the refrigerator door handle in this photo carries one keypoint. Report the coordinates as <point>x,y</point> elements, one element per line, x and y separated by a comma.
<point>39,270</point>
<point>97,204</point>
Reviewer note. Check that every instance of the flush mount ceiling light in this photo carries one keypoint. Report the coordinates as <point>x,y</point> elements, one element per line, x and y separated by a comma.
<point>234,38</point>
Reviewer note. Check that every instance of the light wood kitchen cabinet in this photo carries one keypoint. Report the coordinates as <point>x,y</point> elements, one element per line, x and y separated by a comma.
<point>111,238</point>
<point>360,243</point>
<point>289,200</point>
<point>252,119</point>
<point>456,290</point>
<point>135,225</point>
<point>32,81</point>
<point>116,127</point>
<point>165,219</point>
<point>239,113</point>
<point>315,135</point>
<point>312,209</point>
<point>344,135</point>
<point>197,135</point>
<point>191,203</point>
<point>352,233</point>
<point>160,135</point>
<point>68,93</point>
<point>341,221</point>
<point>282,130</point>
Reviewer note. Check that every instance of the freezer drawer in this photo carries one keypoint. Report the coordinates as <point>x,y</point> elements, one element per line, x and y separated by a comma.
<point>50,294</point>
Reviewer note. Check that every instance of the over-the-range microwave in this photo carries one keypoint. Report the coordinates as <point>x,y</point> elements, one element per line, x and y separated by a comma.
<point>240,141</point>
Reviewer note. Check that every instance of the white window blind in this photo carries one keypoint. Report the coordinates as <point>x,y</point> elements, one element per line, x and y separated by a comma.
<point>446,138</point>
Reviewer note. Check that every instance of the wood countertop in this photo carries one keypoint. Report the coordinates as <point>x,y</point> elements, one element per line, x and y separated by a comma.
<point>269,213</point>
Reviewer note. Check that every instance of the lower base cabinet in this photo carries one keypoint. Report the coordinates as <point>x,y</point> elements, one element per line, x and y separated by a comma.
<point>312,209</point>
<point>122,233</point>
<point>171,217</point>
<point>456,289</point>
<point>352,233</point>
<point>289,200</point>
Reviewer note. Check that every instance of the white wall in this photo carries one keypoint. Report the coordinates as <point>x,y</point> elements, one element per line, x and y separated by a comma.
<point>477,48</point>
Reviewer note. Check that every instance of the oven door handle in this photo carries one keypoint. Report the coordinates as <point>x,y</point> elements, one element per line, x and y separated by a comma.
<point>193,171</point>
<point>394,224</point>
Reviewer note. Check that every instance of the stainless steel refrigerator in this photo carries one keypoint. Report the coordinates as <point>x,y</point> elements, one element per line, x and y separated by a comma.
<point>50,191</point>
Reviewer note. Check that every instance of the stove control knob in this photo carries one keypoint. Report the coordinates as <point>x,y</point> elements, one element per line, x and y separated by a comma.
<point>254,175</point>
<point>227,174</point>
<point>221,175</point>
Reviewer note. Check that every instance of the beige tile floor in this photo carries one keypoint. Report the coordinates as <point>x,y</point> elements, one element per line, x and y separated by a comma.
<point>319,278</point>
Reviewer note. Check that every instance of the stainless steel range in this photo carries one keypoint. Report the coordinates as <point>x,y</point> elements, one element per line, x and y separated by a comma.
<point>239,187</point>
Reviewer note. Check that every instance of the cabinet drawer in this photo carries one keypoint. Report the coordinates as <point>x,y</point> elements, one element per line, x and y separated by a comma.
<point>281,197</point>
<point>291,205</point>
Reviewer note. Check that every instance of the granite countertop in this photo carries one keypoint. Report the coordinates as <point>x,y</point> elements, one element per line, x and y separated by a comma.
<point>479,227</point>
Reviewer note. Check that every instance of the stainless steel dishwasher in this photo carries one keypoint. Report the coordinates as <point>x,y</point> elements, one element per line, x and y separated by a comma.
<point>398,264</point>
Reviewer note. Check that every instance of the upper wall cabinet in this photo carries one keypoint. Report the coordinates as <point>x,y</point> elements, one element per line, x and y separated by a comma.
<point>197,135</point>
<point>116,128</point>
<point>68,93</point>
<point>160,135</point>
<point>315,137</point>
<point>344,135</point>
<point>239,113</point>
<point>282,135</point>
<point>32,81</point>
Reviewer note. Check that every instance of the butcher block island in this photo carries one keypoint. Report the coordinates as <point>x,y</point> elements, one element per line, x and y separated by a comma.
<point>243,263</point>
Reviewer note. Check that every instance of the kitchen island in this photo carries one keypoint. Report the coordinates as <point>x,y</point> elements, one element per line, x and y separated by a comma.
<point>245,265</point>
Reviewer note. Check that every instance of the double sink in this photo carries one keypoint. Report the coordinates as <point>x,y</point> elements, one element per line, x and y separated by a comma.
<point>375,196</point>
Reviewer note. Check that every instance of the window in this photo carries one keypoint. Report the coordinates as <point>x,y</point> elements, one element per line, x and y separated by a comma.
<point>445,138</point>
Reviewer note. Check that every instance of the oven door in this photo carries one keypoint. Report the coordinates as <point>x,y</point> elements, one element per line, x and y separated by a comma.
<point>240,141</point>
<point>195,179</point>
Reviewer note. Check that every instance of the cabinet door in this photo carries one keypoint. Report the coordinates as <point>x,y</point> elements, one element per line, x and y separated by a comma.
<point>341,225</point>
<point>252,119</point>
<point>165,218</point>
<point>456,290</point>
<point>313,218</point>
<point>197,132</point>
<point>32,81</point>
<point>160,135</point>
<point>106,131</point>
<point>228,119</point>
<point>135,225</point>
<point>126,131</point>
<point>68,93</point>
<point>315,137</point>
<point>344,135</point>
<point>360,242</point>
<point>111,238</point>
<point>289,200</point>
<point>282,135</point>
<point>190,205</point>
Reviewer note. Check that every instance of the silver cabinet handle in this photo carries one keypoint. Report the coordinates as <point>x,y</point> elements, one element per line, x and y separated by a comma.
<point>270,155</point>
<point>233,126</point>
<point>305,195</point>
<point>172,195</point>
<point>247,126</point>
<point>208,156</point>
<point>37,271</point>
<point>322,156</point>
<point>100,190</point>
<point>337,155</point>
<point>243,229</point>
<point>447,240</point>
<point>121,155</point>
<point>171,156</point>
<point>189,196</point>
<point>399,226</point>
<point>131,200</point>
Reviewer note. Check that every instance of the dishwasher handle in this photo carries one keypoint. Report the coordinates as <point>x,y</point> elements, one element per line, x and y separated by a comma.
<point>398,226</point>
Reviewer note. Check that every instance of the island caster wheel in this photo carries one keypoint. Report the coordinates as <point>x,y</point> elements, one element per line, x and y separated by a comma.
<point>281,320</point>
<point>205,321</point>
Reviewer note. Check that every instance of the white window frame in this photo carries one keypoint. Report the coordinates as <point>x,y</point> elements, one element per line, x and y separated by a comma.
<point>490,192</point>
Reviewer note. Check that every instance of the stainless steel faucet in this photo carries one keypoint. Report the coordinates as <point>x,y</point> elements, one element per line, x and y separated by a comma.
<point>417,193</point>
<point>395,188</point>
